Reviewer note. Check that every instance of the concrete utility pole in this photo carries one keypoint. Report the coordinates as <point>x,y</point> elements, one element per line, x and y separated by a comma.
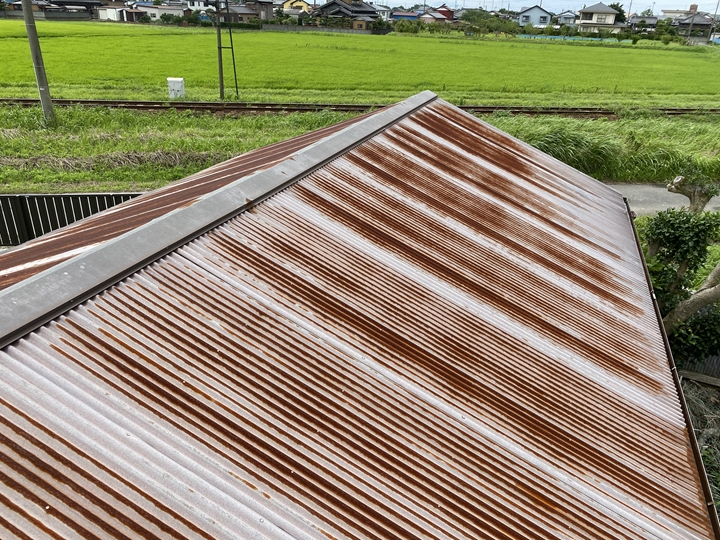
<point>220,51</point>
<point>714,23</point>
<point>40,76</point>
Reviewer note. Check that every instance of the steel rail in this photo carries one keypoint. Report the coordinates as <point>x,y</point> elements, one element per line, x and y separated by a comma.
<point>258,108</point>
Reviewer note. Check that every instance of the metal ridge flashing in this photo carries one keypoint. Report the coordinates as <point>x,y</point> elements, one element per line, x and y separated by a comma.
<point>694,446</point>
<point>31,303</point>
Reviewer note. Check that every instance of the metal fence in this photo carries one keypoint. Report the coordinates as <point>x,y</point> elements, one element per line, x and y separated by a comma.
<point>710,367</point>
<point>25,217</point>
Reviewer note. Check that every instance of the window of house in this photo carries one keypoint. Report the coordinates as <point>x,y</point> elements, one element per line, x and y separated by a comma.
<point>587,16</point>
<point>153,15</point>
<point>601,18</point>
<point>525,18</point>
<point>543,19</point>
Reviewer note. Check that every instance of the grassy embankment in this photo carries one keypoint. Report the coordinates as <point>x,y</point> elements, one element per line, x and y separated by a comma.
<point>103,150</point>
<point>119,150</point>
<point>111,60</point>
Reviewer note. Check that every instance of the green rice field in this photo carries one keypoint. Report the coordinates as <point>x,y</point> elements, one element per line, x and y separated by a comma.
<point>113,150</point>
<point>115,60</point>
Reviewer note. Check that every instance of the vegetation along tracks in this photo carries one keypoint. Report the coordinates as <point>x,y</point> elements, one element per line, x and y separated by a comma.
<point>258,108</point>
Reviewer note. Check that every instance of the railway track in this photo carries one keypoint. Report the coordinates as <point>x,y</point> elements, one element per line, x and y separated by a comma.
<point>259,108</point>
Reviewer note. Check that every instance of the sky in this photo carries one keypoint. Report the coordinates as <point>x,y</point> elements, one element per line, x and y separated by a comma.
<point>558,6</point>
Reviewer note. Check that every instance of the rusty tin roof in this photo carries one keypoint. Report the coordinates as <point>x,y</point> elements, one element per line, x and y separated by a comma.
<point>48,250</point>
<point>418,327</point>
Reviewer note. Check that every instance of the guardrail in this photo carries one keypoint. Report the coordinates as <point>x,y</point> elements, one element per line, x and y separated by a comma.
<point>24,217</point>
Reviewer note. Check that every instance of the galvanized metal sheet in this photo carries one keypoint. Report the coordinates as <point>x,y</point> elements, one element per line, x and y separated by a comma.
<point>442,333</point>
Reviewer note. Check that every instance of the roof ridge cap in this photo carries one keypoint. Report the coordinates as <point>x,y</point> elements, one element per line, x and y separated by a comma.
<point>38,299</point>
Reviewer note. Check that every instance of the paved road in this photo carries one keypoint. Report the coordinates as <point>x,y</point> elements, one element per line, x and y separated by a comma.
<point>651,198</point>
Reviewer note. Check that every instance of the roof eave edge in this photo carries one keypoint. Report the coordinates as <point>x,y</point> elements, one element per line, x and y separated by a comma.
<point>33,302</point>
<point>695,447</point>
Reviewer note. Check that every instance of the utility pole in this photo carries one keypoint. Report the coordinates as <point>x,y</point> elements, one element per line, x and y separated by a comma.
<point>40,77</point>
<point>220,50</point>
<point>714,23</point>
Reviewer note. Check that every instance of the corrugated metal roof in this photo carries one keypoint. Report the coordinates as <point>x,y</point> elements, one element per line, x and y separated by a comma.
<point>33,257</point>
<point>440,333</point>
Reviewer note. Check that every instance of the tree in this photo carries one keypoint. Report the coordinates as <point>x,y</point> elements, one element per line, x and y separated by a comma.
<point>664,27</point>
<point>696,185</point>
<point>475,16</point>
<point>620,17</point>
<point>646,13</point>
<point>676,248</point>
<point>193,19</point>
<point>168,18</point>
<point>567,30</point>
<point>145,18</point>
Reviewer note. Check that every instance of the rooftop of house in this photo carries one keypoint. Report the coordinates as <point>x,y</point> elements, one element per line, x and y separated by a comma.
<point>533,7</point>
<point>598,8</point>
<point>411,325</point>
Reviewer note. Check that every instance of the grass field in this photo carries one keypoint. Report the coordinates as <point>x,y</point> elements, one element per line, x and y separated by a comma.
<point>101,150</point>
<point>110,60</point>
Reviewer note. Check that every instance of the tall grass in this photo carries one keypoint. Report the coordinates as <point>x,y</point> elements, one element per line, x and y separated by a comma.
<point>641,150</point>
<point>104,149</point>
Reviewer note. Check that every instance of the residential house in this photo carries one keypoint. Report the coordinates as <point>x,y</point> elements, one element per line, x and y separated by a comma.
<point>433,17</point>
<point>383,11</point>
<point>264,8</point>
<point>354,9</point>
<point>110,14</point>
<point>296,4</point>
<point>640,23</point>
<point>697,23</point>
<point>38,5</point>
<point>155,12</point>
<point>679,13</point>
<point>445,10</point>
<point>296,14</point>
<point>237,14</point>
<point>598,17</point>
<point>567,18</point>
<point>132,14</point>
<point>407,15</point>
<point>460,12</point>
<point>363,22</point>
<point>202,5</point>
<point>534,15</point>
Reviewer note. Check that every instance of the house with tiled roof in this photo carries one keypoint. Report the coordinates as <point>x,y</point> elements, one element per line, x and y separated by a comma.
<point>599,17</point>
<point>355,10</point>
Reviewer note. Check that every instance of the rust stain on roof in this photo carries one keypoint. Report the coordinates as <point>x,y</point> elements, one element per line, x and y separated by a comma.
<point>439,334</point>
<point>47,251</point>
